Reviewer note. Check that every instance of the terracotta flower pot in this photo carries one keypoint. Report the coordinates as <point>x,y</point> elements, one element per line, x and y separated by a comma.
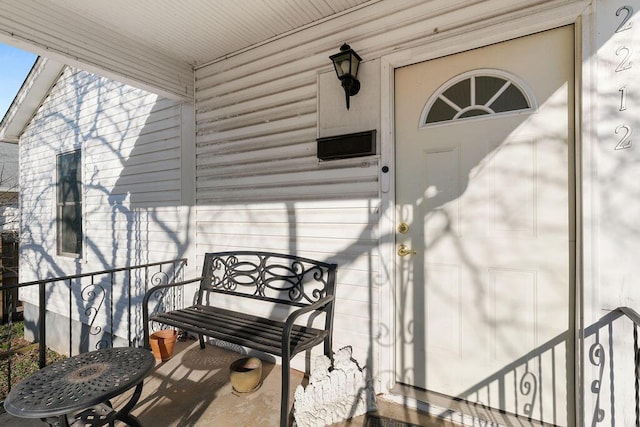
<point>246,374</point>
<point>162,343</point>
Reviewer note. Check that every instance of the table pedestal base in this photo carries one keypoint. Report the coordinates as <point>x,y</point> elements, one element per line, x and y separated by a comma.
<point>101,414</point>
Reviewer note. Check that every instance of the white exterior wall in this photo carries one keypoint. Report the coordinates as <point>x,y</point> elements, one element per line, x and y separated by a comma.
<point>616,192</point>
<point>260,186</point>
<point>9,213</point>
<point>133,211</point>
<point>8,167</point>
<point>259,183</point>
<point>611,207</point>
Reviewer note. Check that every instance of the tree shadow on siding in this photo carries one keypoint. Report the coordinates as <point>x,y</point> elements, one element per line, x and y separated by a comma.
<point>130,143</point>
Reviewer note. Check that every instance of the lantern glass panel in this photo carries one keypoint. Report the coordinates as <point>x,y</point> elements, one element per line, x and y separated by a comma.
<point>355,62</point>
<point>341,63</point>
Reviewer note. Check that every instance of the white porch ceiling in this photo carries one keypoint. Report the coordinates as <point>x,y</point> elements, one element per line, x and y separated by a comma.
<point>156,42</point>
<point>198,31</point>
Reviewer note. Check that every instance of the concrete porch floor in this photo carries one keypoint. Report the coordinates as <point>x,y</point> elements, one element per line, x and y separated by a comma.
<point>193,389</point>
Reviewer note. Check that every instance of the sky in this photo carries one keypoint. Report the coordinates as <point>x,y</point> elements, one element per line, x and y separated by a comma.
<point>15,64</point>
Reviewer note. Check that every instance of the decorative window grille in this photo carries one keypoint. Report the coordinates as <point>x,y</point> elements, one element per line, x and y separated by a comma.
<point>479,93</point>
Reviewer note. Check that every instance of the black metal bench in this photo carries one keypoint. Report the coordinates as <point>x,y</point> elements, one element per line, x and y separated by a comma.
<point>279,280</point>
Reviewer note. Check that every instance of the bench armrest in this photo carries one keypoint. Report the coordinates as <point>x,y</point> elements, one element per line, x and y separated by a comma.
<point>286,333</point>
<point>154,289</point>
<point>145,304</point>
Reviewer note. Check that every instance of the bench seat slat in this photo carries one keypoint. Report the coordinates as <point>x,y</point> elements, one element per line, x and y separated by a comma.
<point>210,320</point>
<point>266,324</point>
<point>224,335</point>
<point>242,329</point>
<point>220,318</point>
<point>234,330</point>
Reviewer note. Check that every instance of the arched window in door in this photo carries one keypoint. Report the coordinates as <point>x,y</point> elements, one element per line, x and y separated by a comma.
<point>476,94</point>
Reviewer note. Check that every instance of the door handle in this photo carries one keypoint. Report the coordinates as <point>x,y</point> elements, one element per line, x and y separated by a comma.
<point>403,250</point>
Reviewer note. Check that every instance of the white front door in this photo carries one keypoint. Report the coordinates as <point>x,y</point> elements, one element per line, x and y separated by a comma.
<point>485,215</point>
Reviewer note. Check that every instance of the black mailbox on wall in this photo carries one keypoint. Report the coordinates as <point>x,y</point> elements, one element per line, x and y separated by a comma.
<point>347,146</point>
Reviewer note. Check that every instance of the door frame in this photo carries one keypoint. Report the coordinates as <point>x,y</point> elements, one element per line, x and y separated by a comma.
<point>455,41</point>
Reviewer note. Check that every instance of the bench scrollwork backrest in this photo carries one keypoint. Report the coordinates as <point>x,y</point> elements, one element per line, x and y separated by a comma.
<point>263,275</point>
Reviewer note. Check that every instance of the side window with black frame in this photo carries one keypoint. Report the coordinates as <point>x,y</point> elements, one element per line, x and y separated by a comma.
<point>69,204</point>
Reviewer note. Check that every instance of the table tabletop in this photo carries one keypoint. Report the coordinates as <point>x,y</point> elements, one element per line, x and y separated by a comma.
<point>79,382</point>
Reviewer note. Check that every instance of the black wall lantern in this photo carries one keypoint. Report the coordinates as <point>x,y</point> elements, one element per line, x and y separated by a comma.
<point>346,64</point>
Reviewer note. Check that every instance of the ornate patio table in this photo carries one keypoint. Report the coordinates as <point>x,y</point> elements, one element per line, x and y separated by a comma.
<point>78,389</point>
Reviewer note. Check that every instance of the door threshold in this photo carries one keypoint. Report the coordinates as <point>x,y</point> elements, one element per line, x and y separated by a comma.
<point>455,409</point>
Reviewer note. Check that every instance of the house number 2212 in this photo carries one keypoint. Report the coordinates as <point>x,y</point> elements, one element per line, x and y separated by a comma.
<point>623,132</point>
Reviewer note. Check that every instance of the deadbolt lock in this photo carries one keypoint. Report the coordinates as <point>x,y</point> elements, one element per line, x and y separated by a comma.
<point>403,228</point>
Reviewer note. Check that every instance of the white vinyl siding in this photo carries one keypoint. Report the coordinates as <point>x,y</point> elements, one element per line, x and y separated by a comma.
<point>259,184</point>
<point>9,212</point>
<point>131,165</point>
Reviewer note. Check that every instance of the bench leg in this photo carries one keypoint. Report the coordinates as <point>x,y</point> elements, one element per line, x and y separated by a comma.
<point>328,348</point>
<point>201,338</point>
<point>284,399</point>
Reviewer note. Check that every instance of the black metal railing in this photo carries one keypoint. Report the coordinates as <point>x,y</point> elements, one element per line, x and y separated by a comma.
<point>520,390</point>
<point>101,306</point>
<point>539,386</point>
<point>613,382</point>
